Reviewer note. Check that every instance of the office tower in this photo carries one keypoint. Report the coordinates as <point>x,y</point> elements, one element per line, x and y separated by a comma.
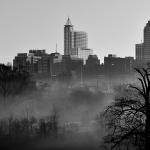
<point>75,42</point>
<point>80,40</point>
<point>139,52</point>
<point>68,37</point>
<point>146,52</point>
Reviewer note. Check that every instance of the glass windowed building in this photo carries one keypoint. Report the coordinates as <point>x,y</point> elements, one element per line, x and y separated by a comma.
<point>75,42</point>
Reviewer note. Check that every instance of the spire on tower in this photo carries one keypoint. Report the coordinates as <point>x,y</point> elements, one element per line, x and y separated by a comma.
<point>56,47</point>
<point>68,23</point>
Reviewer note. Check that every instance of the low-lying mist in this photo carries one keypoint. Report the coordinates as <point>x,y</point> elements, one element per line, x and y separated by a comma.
<point>70,102</point>
<point>75,105</point>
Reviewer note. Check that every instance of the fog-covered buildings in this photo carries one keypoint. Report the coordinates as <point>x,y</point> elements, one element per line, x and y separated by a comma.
<point>38,62</point>
<point>92,66</point>
<point>115,66</point>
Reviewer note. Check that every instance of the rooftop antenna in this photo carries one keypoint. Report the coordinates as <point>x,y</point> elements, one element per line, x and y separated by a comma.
<point>56,47</point>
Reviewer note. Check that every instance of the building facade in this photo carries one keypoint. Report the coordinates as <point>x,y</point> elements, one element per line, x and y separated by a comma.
<point>115,66</point>
<point>146,52</point>
<point>81,53</point>
<point>139,52</point>
<point>36,61</point>
<point>80,40</point>
<point>20,61</point>
<point>75,42</point>
<point>92,66</point>
<point>54,65</point>
<point>68,37</point>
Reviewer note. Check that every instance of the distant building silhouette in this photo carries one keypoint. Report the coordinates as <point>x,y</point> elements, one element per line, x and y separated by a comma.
<point>20,62</point>
<point>81,53</point>
<point>129,63</point>
<point>75,42</point>
<point>139,49</point>
<point>68,37</point>
<point>54,65</point>
<point>146,52</point>
<point>115,66</point>
<point>36,61</point>
<point>92,66</point>
<point>142,50</point>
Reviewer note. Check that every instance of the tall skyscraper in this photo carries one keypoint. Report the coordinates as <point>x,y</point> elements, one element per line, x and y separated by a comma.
<point>68,37</point>
<point>139,52</point>
<point>146,52</point>
<point>75,42</point>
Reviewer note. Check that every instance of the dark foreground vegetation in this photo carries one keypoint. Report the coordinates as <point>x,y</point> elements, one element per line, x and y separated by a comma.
<point>128,118</point>
<point>23,133</point>
<point>13,82</point>
<point>43,134</point>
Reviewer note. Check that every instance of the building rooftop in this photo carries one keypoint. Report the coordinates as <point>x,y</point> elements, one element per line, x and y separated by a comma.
<point>112,55</point>
<point>148,24</point>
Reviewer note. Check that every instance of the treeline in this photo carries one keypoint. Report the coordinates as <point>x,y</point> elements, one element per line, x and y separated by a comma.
<point>15,132</point>
<point>13,82</point>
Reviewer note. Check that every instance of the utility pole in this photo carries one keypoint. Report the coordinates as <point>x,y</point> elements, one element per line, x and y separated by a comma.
<point>81,76</point>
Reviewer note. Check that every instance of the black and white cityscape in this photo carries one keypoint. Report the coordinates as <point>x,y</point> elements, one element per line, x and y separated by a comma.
<point>70,98</point>
<point>78,59</point>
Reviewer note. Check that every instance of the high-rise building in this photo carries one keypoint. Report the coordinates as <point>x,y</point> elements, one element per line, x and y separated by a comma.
<point>80,40</point>
<point>75,42</point>
<point>146,52</point>
<point>139,52</point>
<point>68,37</point>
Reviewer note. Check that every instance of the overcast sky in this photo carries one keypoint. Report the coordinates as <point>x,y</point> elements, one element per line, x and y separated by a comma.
<point>113,26</point>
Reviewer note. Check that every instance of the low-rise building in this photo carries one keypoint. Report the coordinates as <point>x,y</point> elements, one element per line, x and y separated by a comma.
<point>115,66</point>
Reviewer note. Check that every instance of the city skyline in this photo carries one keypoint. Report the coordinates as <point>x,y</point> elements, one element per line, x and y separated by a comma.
<point>31,25</point>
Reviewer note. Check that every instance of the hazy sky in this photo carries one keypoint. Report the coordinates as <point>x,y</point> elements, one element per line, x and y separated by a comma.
<point>113,26</point>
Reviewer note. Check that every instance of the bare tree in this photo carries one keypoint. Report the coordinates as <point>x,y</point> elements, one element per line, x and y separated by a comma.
<point>128,118</point>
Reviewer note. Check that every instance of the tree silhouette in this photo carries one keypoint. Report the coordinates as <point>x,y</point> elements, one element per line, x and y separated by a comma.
<point>128,118</point>
<point>12,81</point>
